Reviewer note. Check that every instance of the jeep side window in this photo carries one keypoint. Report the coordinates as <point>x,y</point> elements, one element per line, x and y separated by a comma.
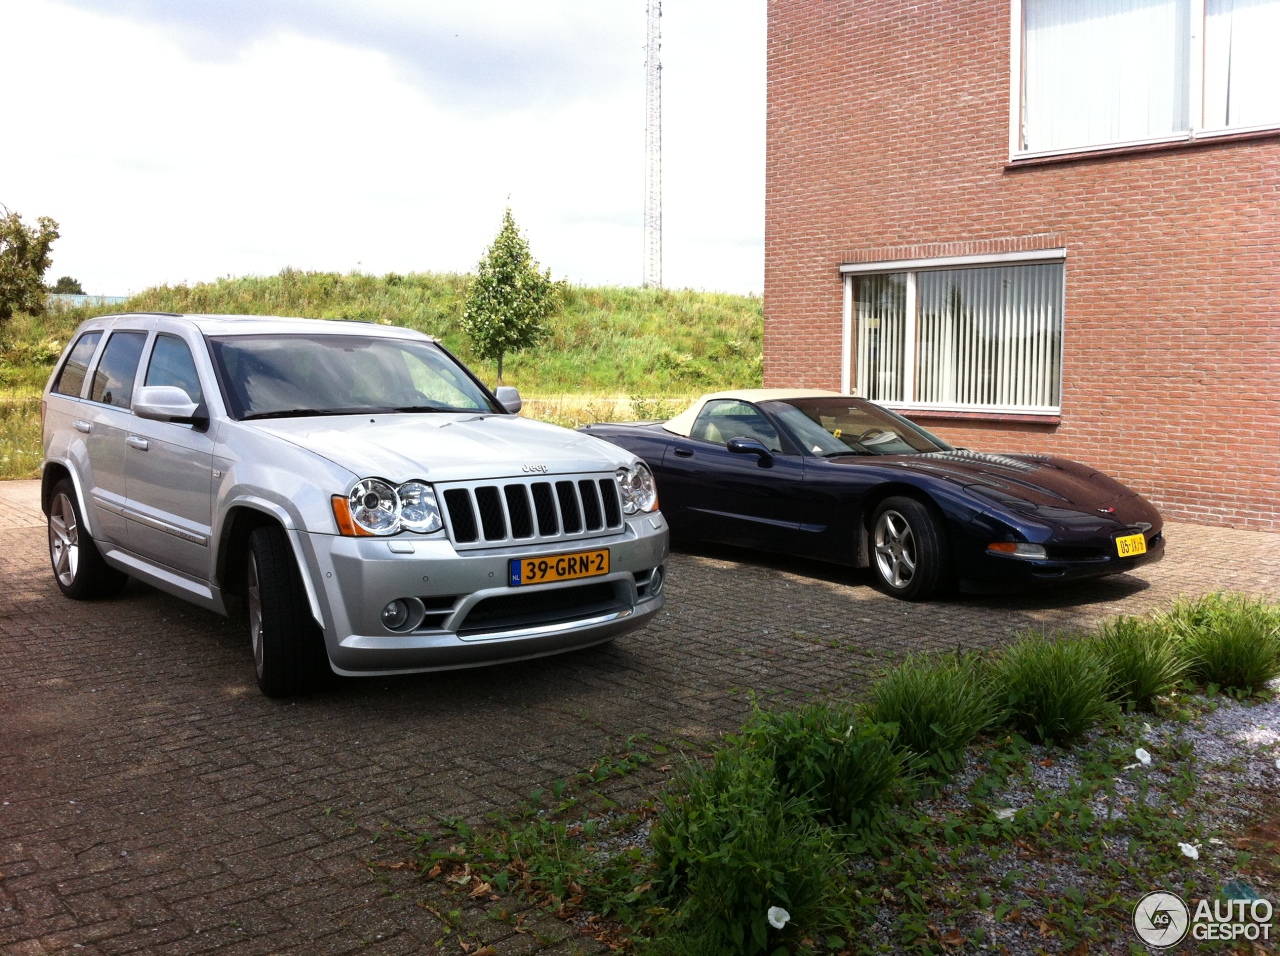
<point>71,378</point>
<point>171,364</point>
<point>113,379</point>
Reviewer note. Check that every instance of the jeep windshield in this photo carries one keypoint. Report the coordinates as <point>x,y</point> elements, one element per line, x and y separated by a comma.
<point>288,375</point>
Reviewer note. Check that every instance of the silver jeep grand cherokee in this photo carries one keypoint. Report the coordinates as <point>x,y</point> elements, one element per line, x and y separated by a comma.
<point>370,505</point>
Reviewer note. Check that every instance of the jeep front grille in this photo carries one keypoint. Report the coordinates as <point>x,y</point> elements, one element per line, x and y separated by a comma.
<point>519,510</point>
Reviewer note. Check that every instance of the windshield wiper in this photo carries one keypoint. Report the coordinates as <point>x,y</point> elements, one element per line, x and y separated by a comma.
<point>302,413</point>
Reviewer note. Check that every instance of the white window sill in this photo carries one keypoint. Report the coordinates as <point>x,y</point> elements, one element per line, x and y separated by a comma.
<point>1033,416</point>
<point>1178,140</point>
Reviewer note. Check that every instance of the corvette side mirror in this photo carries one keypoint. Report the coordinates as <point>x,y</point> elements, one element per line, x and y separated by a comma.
<point>750,446</point>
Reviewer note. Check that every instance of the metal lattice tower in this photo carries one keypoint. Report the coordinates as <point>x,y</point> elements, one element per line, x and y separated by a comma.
<point>653,149</point>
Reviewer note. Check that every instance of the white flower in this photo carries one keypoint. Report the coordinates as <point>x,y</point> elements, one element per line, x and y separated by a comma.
<point>778,917</point>
<point>1146,729</point>
<point>1144,758</point>
<point>1005,814</point>
<point>1189,850</point>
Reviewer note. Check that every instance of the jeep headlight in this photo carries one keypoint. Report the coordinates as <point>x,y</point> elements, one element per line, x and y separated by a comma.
<point>637,488</point>
<point>376,507</point>
<point>418,508</point>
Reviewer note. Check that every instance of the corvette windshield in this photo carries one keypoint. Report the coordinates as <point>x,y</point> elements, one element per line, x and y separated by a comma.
<point>291,375</point>
<point>829,427</point>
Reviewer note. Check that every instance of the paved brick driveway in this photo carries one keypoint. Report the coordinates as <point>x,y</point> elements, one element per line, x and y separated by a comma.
<point>153,801</point>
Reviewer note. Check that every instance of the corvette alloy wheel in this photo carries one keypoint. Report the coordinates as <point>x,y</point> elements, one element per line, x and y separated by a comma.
<point>895,546</point>
<point>908,552</point>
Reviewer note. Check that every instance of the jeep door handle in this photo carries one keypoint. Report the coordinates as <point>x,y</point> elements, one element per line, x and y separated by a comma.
<point>82,426</point>
<point>133,441</point>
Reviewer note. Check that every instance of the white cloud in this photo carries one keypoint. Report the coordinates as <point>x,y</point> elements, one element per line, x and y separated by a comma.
<point>174,147</point>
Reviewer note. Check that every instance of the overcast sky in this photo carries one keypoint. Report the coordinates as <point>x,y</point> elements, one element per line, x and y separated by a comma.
<point>179,141</point>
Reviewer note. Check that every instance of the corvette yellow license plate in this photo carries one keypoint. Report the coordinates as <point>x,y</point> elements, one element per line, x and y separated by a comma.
<point>1131,545</point>
<point>559,567</point>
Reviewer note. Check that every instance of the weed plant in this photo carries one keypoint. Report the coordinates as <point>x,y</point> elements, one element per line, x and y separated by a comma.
<point>1142,658</point>
<point>1054,688</point>
<point>845,765</point>
<point>729,843</point>
<point>938,704</point>
<point>1228,640</point>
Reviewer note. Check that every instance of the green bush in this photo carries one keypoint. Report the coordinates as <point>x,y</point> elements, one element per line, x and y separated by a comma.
<point>1142,658</point>
<point>845,765</point>
<point>1054,689</point>
<point>938,705</point>
<point>1228,640</point>
<point>729,844</point>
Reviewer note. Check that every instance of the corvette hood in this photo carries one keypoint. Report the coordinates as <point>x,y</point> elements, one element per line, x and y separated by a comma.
<point>1022,482</point>
<point>446,447</point>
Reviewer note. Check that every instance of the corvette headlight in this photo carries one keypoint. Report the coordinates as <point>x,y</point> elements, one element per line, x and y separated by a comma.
<point>375,507</point>
<point>637,488</point>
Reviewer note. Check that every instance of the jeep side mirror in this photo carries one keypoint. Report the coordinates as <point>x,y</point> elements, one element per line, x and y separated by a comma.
<point>168,403</point>
<point>509,398</point>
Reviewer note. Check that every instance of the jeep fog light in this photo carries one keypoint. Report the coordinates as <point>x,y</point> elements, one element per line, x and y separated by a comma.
<point>394,615</point>
<point>403,614</point>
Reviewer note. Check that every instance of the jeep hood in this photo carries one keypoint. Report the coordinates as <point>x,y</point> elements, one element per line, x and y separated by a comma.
<point>442,447</point>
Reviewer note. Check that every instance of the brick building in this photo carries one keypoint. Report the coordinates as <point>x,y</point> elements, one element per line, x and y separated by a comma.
<point>1039,225</point>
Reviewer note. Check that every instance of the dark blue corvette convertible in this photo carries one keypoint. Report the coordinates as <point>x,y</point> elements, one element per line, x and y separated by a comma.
<point>833,477</point>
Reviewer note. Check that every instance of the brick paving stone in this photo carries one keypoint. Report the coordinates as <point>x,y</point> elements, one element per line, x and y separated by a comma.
<point>153,801</point>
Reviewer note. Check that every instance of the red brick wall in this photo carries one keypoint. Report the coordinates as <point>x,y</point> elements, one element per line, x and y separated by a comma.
<point>888,126</point>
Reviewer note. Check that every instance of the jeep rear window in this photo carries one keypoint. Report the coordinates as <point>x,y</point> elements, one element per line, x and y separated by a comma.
<point>291,375</point>
<point>71,378</point>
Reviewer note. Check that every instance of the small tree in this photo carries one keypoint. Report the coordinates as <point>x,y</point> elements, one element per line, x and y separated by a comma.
<point>24,257</point>
<point>510,300</point>
<point>67,286</point>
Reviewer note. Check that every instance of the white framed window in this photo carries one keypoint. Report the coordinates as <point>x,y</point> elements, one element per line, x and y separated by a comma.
<point>1094,74</point>
<point>977,333</point>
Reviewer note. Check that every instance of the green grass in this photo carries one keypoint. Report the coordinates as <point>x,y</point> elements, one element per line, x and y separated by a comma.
<point>1143,659</point>
<point>1054,688</point>
<point>1228,640</point>
<point>609,340</point>
<point>846,766</point>
<point>939,705</point>
<point>730,842</point>
<point>20,451</point>
<point>656,346</point>
<point>1008,849</point>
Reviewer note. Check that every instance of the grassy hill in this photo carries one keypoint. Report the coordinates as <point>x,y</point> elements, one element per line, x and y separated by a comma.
<point>607,344</point>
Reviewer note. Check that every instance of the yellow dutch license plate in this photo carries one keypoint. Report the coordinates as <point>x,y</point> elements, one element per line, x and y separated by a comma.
<point>559,567</point>
<point>1131,545</point>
